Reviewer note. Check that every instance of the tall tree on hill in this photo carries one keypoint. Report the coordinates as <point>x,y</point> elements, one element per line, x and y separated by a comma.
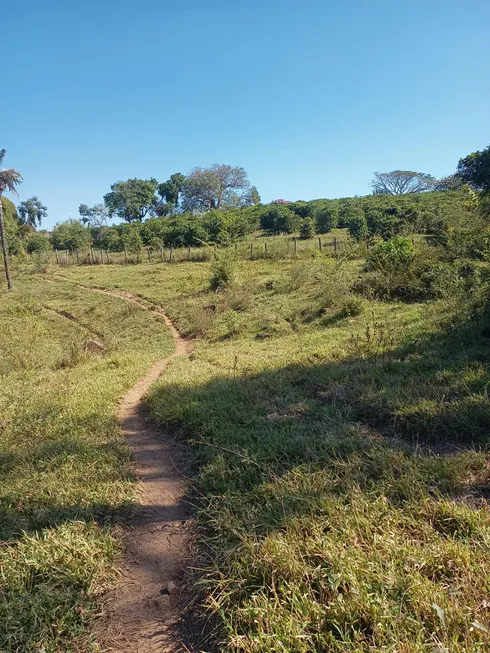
<point>32,211</point>
<point>9,179</point>
<point>401,182</point>
<point>216,187</point>
<point>474,169</point>
<point>133,199</point>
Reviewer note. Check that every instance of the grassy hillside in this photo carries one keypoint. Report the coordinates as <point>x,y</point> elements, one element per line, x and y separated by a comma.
<point>341,448</point>
<point>64,473</point>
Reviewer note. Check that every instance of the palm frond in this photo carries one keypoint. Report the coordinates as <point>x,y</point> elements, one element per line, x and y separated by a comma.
<point>2,156</point>
<point>9,179</point>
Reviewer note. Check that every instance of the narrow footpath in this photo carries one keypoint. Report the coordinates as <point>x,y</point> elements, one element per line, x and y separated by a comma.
<point>142,613</point>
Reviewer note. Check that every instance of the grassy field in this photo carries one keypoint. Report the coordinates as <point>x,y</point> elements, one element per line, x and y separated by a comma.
<point>341,450</point>
<point>65,481</point>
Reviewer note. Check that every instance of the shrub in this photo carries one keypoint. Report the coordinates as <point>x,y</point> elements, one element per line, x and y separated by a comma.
<point>382,224</point>
<point>71,235</point>
<point>391,255</point>
<point>327,219</point>
<point>222,273</point>
<point>357,225</point>
<point>352,307</point>
<point>133,241</point>
<point>37,242</point>
<point>240,297</point>
<point>279,219</point>
<point>303,209</point>
<point>307,228</point>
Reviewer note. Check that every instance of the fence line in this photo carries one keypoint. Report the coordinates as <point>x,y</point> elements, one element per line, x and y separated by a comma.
<point>283,249</point>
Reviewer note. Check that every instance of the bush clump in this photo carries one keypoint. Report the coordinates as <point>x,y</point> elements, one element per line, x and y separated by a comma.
<point>222,274</point>
<point>307,228</point>
<point>393,254</point>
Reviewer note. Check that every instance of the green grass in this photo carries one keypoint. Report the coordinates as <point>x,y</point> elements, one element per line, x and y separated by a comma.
<point>65,479</point>
<point>341,446</point>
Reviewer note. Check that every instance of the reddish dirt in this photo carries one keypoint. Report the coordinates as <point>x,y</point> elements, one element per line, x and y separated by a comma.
<point>142,614</point>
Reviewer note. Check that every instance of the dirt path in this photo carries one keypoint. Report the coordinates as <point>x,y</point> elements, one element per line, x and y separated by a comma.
<point>142,613</point>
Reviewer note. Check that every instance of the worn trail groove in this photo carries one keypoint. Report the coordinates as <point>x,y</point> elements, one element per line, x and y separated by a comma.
<point>143,611</point>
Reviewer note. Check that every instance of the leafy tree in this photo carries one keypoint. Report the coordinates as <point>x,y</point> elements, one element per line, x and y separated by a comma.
<point>133,199</point>
<point>357,225</point>
<point>307,228</point>
<point>251,197</point>
<point>107,238</point>
<point>95,216</point>
<point>186,230</point>
<point>381,223</point>
<point>132,240</point>
<point>170,191</point>
<point>303,209</point>
<point>9,180</point>
<point>218,186</point>
<point>474,170</point>
<point>32,211</point>
<point>37,242</point>
<point>278,218</point>
<point>216,225</point>
<point>327,218</point>
<point>70,235</point>
<point>401,182</point>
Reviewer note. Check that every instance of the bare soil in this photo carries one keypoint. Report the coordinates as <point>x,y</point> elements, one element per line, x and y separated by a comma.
<point>142,614</point>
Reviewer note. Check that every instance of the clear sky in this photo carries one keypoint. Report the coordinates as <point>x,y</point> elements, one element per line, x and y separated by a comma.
<point>309,96</point>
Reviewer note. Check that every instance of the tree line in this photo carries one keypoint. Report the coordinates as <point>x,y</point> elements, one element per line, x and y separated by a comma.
<point>219,205</point>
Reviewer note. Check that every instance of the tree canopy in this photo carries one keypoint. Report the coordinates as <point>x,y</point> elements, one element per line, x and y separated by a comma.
<point>401,182</point>
<point>32,211</point>
<point>70,235</point>
<point>219,186</point>
<point>95,216</point>
<point>133,199</point>
<point>170,191</point>
<point>474,169</point>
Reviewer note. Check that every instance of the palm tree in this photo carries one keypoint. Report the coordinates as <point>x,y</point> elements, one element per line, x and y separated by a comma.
<point>9,179</point>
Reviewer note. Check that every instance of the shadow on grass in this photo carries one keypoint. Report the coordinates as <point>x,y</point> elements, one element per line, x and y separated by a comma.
<point>409,427</point>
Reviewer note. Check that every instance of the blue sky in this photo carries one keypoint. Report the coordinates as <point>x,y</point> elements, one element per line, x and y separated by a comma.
<point>310,96</point>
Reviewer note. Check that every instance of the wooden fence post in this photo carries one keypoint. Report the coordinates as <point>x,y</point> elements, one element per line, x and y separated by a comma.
<point>189,253</point>
<point>161,254</point>
<point>76,252</point>
<point>215,252</point>
<point>335,244</point>
<point>320,246</point>
<point>101,256</point>
<point>57,259</point>
<point>125,255</point>
<point>295,245</point>
<point>149,254</point>
<point>265,246</point>
<point>66,256</point>
<point>171,251</point>
<point>92,259</point>
<point>251,251</point>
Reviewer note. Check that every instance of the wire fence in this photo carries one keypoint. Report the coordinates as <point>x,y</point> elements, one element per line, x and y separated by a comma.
<point>279,248</point>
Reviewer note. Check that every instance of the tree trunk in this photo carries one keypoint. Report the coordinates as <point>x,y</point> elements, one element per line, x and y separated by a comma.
<point>4,247</point>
